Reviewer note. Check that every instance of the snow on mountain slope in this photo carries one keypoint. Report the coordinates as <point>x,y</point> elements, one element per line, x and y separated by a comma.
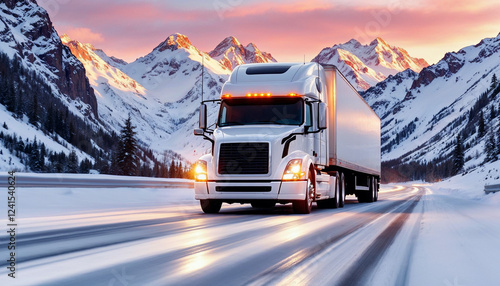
<point>425,112</point>
<point>386,94</point>
<point>23,129</point>
<point>231,53</point>
<point>172,73</point>
<point>366,65</point>
<point>112,61</point>
<point>27,32</point>
<point>171,70</point>
<point>118,95</point>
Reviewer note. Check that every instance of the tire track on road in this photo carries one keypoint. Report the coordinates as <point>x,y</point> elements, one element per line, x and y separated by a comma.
<point>363,267</point>
<point>270,276</point>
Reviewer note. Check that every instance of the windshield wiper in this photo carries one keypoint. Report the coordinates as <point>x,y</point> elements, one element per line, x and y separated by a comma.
<point>229,123</point>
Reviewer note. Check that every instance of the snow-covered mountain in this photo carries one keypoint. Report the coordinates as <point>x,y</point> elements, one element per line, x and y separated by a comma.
<point>172,76</point>
<point>46,98</point>
<point>26,32</point>
<point>231,53</point>
<point>161,91</point>
<point>117,94</point>
<point>366,65</point>
<point>422,114</point>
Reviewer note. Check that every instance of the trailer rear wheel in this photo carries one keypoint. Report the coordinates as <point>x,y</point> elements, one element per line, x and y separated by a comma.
<point>371,195</point>
<point>305,206</point>
<point>210,206</point>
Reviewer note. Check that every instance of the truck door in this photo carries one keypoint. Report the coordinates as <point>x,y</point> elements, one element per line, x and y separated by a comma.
<point>316,140</point>
<point>311,141</point>
<point>319,139</point>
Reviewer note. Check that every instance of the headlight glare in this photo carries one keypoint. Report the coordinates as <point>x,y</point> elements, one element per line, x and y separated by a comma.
<point>293,170</point>
<point>200,171</point>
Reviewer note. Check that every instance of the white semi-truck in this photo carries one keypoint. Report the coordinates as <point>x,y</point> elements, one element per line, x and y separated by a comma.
<point>289,133</point>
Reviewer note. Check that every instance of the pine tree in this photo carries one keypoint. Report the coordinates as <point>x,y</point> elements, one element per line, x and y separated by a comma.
<point>34,158</point>
<point>156,169</point>
<point>49,120</point>
<point>85,166</point>
<point>498,143</point>
<point>10,99</point>
<point>72,162</point>
<point>490,148</point>
<point>481,128</point>
<point>494,81</point>
<point>33,115</point>
<point>172,170</point>
<point>458,156</point>
<point>127,161</point>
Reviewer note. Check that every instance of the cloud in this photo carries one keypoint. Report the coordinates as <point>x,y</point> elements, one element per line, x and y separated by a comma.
<point>130,29</point>
<point>84,35</point>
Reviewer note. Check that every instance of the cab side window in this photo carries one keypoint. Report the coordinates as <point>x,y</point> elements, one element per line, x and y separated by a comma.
<point>309,121</point>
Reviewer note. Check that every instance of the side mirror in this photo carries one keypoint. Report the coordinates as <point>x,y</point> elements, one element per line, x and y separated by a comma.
<point>322,115</point>
<point>203,116</point>
<point>198,132</point>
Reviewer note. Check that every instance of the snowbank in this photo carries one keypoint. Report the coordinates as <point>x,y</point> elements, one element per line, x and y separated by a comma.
<point>471,185</point>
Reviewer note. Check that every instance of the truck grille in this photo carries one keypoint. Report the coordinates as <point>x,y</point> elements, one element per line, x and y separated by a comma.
<point>241,189</point>
<point>244,158</point>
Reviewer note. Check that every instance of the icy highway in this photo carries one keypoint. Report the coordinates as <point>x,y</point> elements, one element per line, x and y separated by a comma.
<point>411,236</point>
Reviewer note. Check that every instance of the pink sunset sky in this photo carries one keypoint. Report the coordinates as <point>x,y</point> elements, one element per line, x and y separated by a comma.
<point>287,29</point>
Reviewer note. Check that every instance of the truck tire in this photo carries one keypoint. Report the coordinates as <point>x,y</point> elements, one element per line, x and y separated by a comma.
<point>263,205</point>
<point>342,190</point>
<point>210,206</point>
<point>331,203</point>
<point>305,206</point>
<point>370,195</point>
<point>375,187</point>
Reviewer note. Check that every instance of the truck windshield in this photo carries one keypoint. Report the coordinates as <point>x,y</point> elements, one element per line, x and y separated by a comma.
<point>251,111</point>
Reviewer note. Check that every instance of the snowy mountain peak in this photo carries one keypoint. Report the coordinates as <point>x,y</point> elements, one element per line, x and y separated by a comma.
<point>251,47</point>
<point>65,38</point>
<point>230,53</point>
<point>379,41</point>
<point>110,60</point>
<point>422,114</point>
<point>366,65</point>
<point>230,41</point>
<point>174,42</point>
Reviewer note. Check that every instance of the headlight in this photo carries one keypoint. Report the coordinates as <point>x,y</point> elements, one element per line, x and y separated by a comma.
<point>293,170</point>
<point>200,171</point>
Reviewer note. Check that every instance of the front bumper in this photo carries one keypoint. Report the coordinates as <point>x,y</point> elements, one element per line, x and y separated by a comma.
<point>249,190</point>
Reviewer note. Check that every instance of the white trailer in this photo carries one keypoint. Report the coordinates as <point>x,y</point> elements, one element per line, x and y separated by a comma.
<point>289,133</point>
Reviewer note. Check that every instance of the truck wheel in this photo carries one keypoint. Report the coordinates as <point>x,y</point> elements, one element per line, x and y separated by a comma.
<point>331,203</point>
<point>263,205</point>
<point>375,187</point>
<point>342,191</point>
<point>370,195</point>
<point>210,206</point>
<point>305,206</point>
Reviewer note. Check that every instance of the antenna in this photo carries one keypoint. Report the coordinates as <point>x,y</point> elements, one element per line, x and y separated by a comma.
<point>304,58</point>
<point>202,75</point>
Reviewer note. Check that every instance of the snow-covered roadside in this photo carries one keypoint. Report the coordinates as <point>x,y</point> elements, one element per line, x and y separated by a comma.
<point>53,208</point>
<point>458,239</point>
<point>471,184</point>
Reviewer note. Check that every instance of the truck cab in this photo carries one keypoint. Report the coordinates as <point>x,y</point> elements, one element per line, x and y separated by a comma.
<point>270,141</point>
